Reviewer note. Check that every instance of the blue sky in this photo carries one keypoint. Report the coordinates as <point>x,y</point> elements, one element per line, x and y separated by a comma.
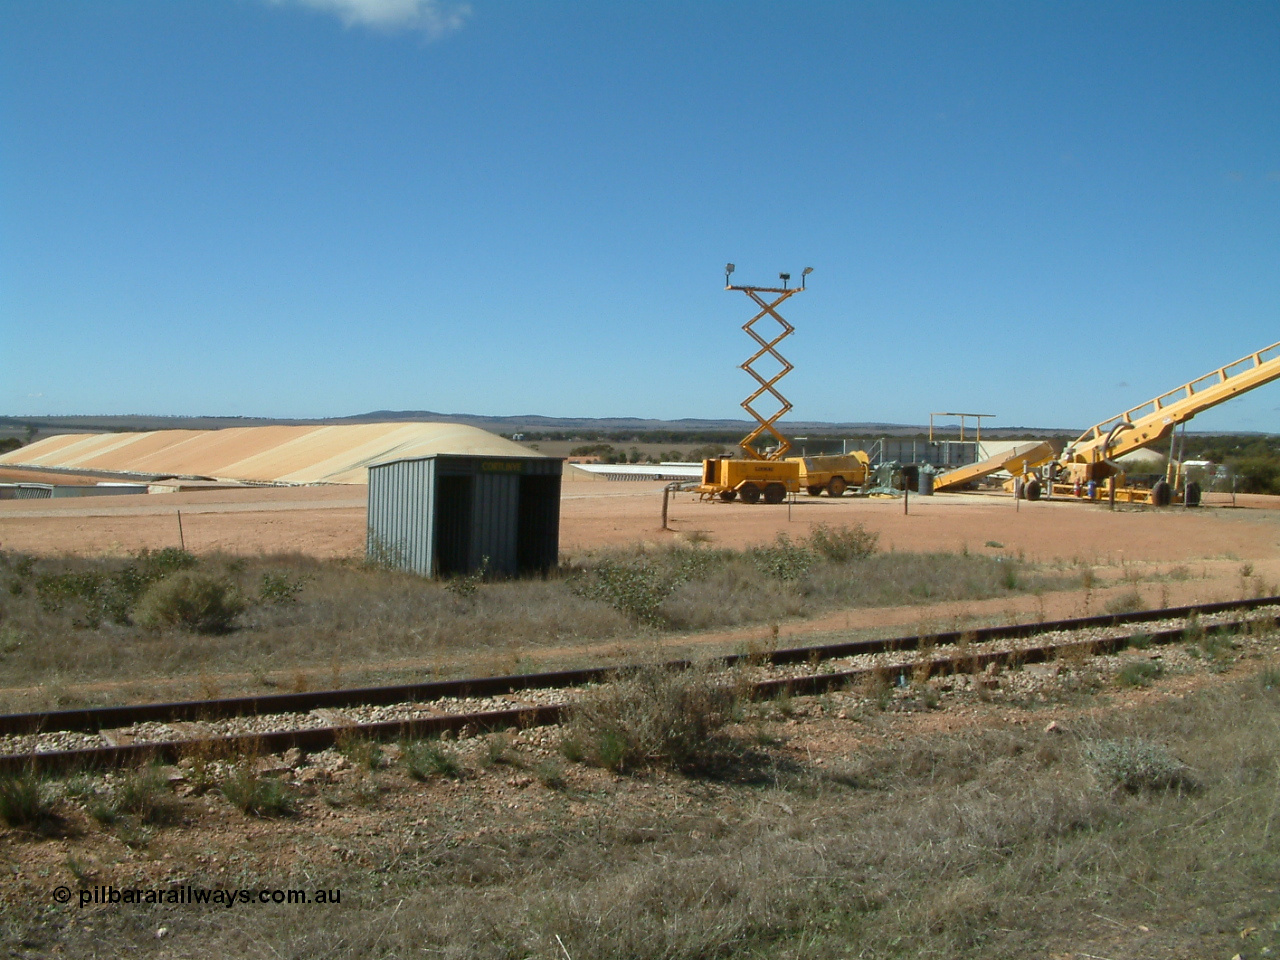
<point>1046,211</point>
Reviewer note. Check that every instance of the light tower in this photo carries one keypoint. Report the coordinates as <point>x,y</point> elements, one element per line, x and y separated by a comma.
<point>767,348</point>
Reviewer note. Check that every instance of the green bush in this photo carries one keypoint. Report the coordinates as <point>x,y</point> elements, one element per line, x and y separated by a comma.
<point>783,560</point>
<point>842,544</point>
<point>189,600</point>
<point>142,794</point>
<point>257,795</point>
<point>1257,474</point>
<point>637,584</point>
<point>423,759</point>
<point>280,588</point>
<point>1139,673</point>
<point>109,596</point>
<point>636,588</point>
<point>24,801</point>
<point>153,565</point>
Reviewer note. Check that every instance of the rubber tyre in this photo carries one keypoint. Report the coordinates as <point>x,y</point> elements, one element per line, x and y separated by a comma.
<point>837,487</point>
<point>775,493</point>
<point>1031,490</point>
<point>814,489</point>
<point>1161,494</point>
<point>1191,496</point>
<point>728,496</point>
<point>749,493</point>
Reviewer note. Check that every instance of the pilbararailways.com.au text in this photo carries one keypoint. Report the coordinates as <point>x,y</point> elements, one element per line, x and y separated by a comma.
<point>221,897</point>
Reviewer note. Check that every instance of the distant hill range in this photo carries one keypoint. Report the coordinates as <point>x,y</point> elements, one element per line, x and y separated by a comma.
<point>530,423</point>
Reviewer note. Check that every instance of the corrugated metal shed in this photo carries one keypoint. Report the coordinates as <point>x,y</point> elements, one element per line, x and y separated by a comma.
<point>26,491</point>
<point>57,491</point>
<point>938,453</point>
<point>443,514</point>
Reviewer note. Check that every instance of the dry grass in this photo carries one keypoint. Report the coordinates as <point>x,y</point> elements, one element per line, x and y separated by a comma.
<point>306,623</point>
<point>998,842</point>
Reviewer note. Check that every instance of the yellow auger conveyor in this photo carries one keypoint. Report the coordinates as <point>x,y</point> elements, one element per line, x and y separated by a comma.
<point>1018,460</point>
<point>1091,457</point>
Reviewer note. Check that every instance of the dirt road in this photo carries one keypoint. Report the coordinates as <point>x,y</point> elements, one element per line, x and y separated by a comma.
<point>329,521</point>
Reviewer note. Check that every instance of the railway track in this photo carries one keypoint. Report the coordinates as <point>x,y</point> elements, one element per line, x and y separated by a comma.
<point>313,721</point>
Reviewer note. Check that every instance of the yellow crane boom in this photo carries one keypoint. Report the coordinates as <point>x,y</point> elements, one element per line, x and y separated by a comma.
<point>1157,418</point>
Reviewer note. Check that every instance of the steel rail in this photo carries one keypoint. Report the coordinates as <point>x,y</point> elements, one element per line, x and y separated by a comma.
<point>315,739</point>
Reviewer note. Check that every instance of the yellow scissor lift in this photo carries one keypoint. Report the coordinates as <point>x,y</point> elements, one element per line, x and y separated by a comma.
<point>766,476</point>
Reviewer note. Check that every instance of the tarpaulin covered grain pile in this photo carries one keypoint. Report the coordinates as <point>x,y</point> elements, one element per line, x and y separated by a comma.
<point>283,454</point>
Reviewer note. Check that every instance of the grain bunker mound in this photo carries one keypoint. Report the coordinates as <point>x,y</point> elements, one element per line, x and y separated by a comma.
<point>283,455</point>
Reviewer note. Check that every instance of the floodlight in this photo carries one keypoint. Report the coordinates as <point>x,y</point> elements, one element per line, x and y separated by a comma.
<point>807,271</point>
<point>728,269</point>
<point>784,277</point>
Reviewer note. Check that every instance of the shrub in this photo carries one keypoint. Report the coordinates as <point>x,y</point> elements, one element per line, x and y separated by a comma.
<point>100,596</point>
<point>109,596</point>
<point>24,801</point>
<point>143,794</point>
<point>1139,673</point>
<point>635,589</point>
<point>1133,764</point>
<point>257,795</point>
<point>1128,602</point>
<point>1008,574</point>
<point>280,588</point>
<point>190,600</point>
<point>550,775</point>
<point>466,586</point>
<point>154,565</point>
<point>653,715</point>
<point>1257,474</point>
<point>842,544</point>
<point>498,750</point>
<point>783,560</point>
<point>423,759</point>
<point>360,750</point>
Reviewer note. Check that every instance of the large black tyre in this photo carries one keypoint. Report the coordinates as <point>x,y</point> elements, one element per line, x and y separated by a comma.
<point>728,496</point>
<point>1191,496</point>
<point>814,489</point>
<point>836,487</point>
<point>1031,489</point>
<point>1161,494</point>
<point>775,493</point>
<point>749,493</point>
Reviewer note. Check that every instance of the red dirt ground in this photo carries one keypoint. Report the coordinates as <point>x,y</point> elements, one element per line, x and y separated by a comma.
<point>329,521</point>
